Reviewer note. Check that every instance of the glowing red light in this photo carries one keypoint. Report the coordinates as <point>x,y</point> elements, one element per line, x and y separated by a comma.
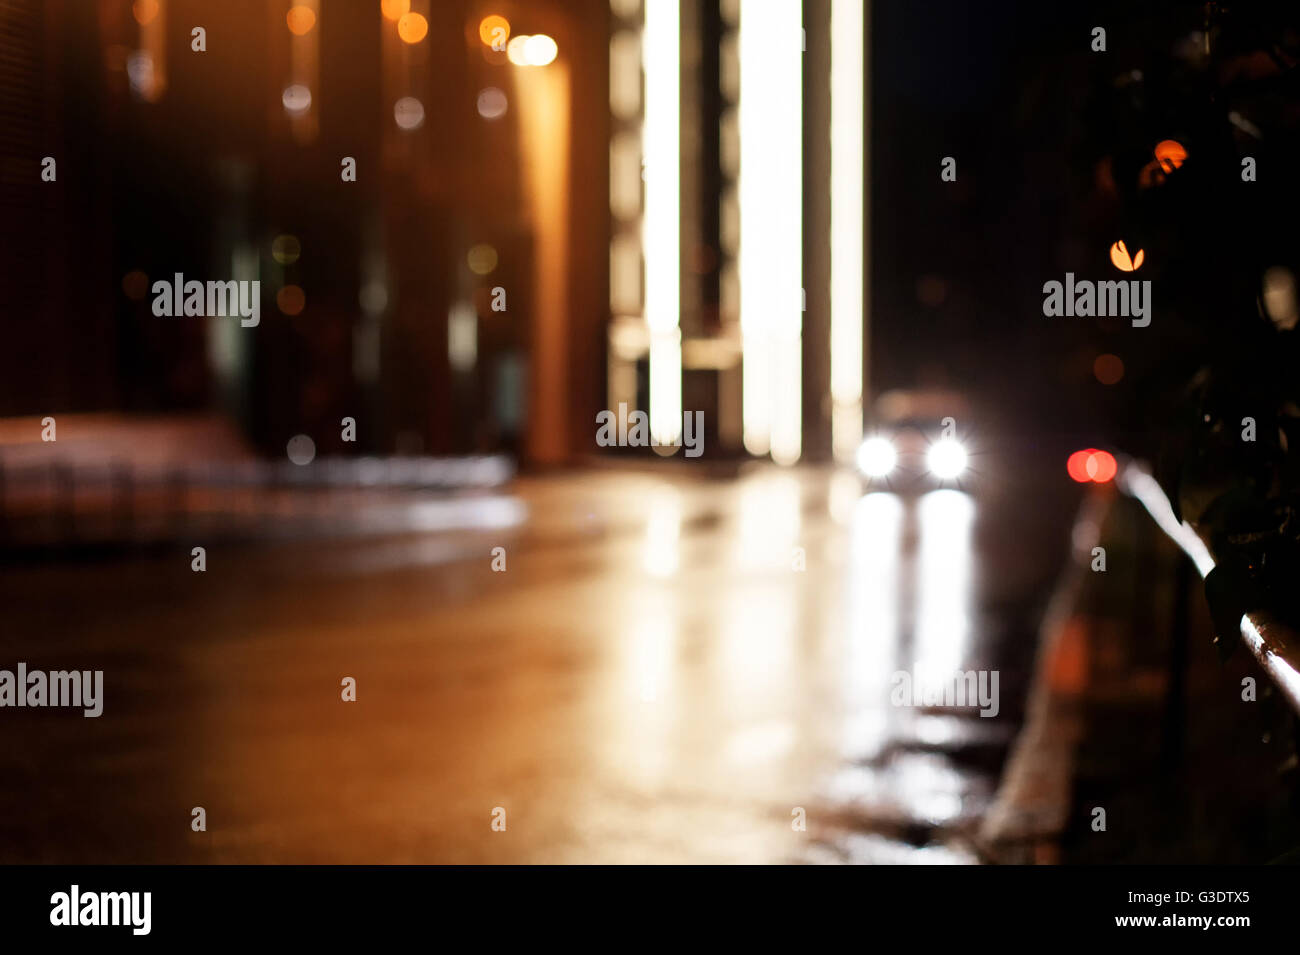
<point>1077,465</point>
<point>1103,466</point>
<point>1091,465</point>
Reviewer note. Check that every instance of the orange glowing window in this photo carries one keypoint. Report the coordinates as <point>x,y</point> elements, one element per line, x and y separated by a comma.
<point>412,27</point>
<point>494,31</point>
<point>1171,154</point>
<point>1119,257</point>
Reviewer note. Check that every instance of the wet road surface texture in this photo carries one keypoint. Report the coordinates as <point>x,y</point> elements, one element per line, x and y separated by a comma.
<point>668,669</point>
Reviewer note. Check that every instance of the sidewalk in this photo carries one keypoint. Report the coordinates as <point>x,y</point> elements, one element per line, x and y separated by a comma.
<point>1206,778</point>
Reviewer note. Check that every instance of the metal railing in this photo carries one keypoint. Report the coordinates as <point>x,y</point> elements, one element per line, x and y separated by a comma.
<point>1274,644</point>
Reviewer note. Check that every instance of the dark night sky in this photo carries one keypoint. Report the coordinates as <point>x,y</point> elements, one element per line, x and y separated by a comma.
<point>967,81</point>
<point>1012,92</point>
<point>1049,138</point>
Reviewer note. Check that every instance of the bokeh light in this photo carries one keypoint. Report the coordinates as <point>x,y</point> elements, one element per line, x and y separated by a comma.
<point>412,27</point>
<point>1091,465</point>
<point>494,31</point>
<point>877,457</point>
<point>492,103</point>
<point>515,50</point>
<point>144,11</point>
<point>135,284</point>
<point>1170,153</point>
<point>296,99</point>
<point>1108,369</point>
<point>539,50</point>
<point>139,73</point>
<point>1082,466</point>
<point>1102,466</point>
<point>946,458</point>
<point>408,112</point>
<point>1152,174</point>
<point>482,259</point>
<point>301,449</point>
<point>1279,297</point>
<point>1119,257</point>
<point>300,19</point>
<point>291,300</point>
<point>1076,465</point>
<point>394,9</point>
<point>285,249</point>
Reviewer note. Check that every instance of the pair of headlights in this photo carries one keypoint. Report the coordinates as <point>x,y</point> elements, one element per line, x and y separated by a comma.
<point>945,459</point>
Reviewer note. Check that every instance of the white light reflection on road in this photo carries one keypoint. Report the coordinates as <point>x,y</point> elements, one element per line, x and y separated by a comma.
<point>756,665</point>
<point>661,552</point>
<point>873,619</point>
<point>651,659</point>
<point>647,706</point>
<point>767,522</point>
<point>759,628</point>
<point>944,584</point>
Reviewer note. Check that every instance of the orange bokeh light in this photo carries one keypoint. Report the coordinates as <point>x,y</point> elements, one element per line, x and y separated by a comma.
<point>494,31</point>
<point>1119,257</point>
<point>412,27</point>
<point>395,9</point>
<point>300,19</point>
<point>1152,174</point>
<point>1171,154</point>
<point>144,11</point>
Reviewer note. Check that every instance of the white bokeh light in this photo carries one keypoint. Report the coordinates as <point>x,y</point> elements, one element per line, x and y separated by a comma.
<point>946,458</point>
<point>301,449</point>
<point>296,99</point>
<point>492,103</point>
<point>540,50</point>
<point>408,112</point>
<point>877,456</point>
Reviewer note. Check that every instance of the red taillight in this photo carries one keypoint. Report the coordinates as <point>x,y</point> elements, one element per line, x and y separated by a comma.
<point>1102,466</point>
<point>1077,466</point>
<point>1091,465</point>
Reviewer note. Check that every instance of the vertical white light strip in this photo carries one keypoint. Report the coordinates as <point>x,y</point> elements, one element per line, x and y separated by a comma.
<point>771,214</point>
<point>661,220</point>
<point>847,222</point>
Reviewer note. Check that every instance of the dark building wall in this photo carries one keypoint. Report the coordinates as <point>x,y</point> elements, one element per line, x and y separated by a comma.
<point>212,171</point>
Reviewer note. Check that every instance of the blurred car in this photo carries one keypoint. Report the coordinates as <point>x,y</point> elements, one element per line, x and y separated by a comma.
<point>914,440</point>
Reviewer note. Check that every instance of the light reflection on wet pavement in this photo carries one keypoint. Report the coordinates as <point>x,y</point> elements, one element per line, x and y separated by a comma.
<point>652,679</point>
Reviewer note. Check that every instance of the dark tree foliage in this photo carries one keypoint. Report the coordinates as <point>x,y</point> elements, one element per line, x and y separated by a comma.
<point>1218,234</point>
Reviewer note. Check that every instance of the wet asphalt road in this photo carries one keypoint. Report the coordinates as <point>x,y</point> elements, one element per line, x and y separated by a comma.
<point>667,670</point>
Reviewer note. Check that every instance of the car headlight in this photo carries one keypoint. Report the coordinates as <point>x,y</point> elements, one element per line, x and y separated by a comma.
<point>877,457</point>
<point>946,458</point>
